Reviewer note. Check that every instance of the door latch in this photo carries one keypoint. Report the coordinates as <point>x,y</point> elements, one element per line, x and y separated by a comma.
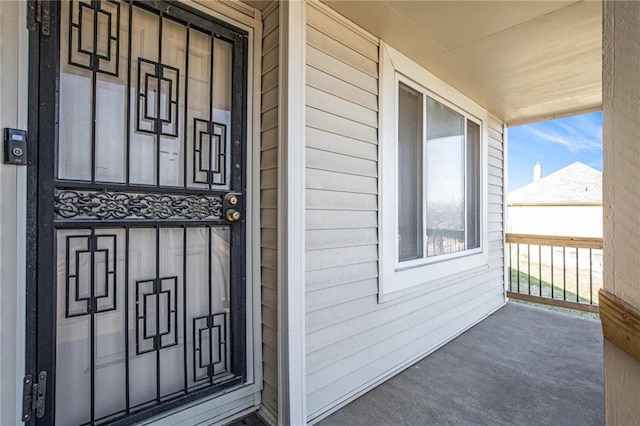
<point>33,396</point>
<point>232,207</point>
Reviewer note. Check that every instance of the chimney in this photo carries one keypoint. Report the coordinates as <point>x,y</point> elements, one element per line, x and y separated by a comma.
<point>537,172</point>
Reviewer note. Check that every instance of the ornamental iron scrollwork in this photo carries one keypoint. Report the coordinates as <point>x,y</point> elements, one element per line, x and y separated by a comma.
<point>120,205</point>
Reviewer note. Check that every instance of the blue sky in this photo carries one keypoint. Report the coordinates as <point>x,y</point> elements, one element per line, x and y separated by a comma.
<point>555,144</point>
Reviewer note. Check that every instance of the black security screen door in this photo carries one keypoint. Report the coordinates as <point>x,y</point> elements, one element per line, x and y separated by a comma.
<point>137,201</point>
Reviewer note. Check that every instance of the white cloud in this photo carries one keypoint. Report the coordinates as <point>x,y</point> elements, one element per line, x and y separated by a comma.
<point>580,135</point>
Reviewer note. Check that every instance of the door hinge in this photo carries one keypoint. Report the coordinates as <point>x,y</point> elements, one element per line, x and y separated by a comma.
<point>33,396</point>
<point>39,12</point>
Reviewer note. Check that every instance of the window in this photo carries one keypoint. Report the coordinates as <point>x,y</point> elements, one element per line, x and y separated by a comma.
<point>438,178</point>
<point>432,177</point>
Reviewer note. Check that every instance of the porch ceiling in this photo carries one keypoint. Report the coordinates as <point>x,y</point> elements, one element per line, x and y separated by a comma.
<point>522,60</point>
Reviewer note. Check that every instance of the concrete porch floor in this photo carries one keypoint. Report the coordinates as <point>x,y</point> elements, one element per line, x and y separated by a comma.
<point>523,365</point>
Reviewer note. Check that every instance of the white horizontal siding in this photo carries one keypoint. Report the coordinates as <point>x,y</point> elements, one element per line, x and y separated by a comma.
<point>317,219</point>
<point>327,239</point>
<point>335,68</point>
<point>322,81</point>
<point>384,326</point>
<point>324,139</point>
<point>400,346</point>
<point>341,182</point>
<point>268,204</point>
<point>326,160</point>
<point>318,118</point>
<point>338,276</point>
<point>351,339</point>
<point>372,315</point>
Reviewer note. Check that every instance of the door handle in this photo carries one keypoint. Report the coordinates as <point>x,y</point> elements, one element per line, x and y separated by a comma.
<point>232,207</point>
<point>233,215</point>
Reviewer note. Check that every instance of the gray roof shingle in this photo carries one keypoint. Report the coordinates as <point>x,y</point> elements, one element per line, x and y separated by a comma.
<point>575,184</point>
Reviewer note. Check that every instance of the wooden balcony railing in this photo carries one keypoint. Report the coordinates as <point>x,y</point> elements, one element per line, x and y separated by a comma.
<point>560,271</point>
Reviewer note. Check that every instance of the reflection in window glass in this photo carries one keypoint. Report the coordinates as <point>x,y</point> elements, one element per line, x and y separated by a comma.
<point>444,180</point>
<point>439,178</point>
<point>473,185</point>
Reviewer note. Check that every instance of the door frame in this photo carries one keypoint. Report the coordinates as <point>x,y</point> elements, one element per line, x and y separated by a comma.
<point>244,18</point>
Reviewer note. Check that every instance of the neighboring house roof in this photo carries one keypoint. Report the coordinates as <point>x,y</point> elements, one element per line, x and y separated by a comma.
<point>574,184</point>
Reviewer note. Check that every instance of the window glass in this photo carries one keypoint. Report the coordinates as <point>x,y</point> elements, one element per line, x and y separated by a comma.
<point>445,179</point>
<point>439,173</point>
<point>409,174</point>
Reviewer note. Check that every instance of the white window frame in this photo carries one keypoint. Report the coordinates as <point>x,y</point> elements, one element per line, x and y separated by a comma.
<point>400,278</point>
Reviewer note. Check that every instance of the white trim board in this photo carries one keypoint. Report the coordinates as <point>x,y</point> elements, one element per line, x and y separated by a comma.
<point>505,190</point>
<point>14,62</point>
<point>291,215</point>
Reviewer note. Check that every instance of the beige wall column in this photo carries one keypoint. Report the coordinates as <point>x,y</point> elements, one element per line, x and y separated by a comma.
<point>621,103</point>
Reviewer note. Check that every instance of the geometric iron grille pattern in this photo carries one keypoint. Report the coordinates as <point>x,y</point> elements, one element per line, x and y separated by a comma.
<point>187,339</point>
<point>159,91</point>
<point>121,205</point>
<point>91,283</point>
<point>96,48</point>
<point>209,346</point>
<point>106,214</point>
<point>209,164</point>
<point>156,315</point>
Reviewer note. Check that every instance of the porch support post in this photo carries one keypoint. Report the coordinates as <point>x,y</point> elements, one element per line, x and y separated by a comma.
<point>621,105</point>
<point>292,395</point>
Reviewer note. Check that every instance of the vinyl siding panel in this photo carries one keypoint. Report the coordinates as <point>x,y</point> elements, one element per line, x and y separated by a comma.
<point>340,256</point>
<point>338,31</point>
<point>326,141</point>
<point>331,161</point>
<point>268,204</point>
<point>393,325</point>
<point>416,340</point>
<point>333,104</point>
<point>334,67</point>
<point>333,200</point>
<point>330,84</point>
<point>326,239</point>
<point>317,118</point>
<point>352,340</point>
<point>336,181</point>
<point>336,277</point>
<point>336,219</point>
<point>324,298</point>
